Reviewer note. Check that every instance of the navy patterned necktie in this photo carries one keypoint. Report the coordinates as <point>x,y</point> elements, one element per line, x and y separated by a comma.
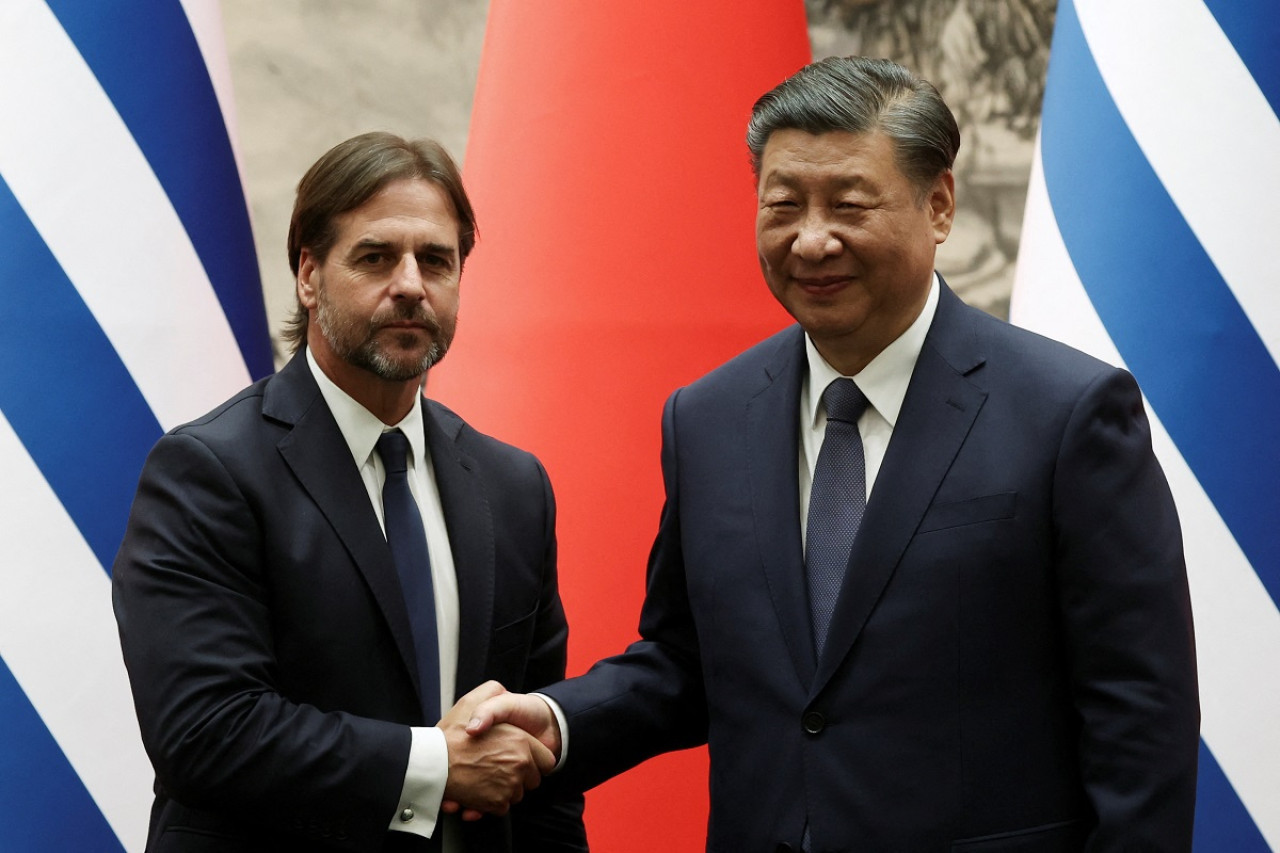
<point>408,541</point>
<point>837,502</point>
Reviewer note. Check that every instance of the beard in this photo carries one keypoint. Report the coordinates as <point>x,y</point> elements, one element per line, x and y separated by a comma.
<point>357,340</point>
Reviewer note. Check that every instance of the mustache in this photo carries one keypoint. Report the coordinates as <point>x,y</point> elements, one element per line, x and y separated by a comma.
<point>407,314</point>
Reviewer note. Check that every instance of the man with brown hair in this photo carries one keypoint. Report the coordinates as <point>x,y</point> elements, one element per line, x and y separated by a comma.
<point>318,567</point>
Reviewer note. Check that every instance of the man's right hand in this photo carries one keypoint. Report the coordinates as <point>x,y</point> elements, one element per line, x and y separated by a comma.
<point>517,709</point>
<point>491,769</point>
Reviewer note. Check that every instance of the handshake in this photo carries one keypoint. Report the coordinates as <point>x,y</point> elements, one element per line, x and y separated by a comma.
<point>500,745</point>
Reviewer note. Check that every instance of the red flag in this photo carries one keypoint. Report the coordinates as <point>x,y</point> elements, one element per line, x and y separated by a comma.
<point>616,262</point>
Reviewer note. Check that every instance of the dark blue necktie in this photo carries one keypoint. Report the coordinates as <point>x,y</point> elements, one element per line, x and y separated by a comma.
<point>408,543</point>
<point>837,502</point>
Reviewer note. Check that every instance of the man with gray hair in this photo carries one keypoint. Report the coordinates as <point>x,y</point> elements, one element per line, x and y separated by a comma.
<point>317,569</point>
<point>918,581</point>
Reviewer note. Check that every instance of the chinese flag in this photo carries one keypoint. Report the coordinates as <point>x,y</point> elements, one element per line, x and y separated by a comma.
<point>616,262</point>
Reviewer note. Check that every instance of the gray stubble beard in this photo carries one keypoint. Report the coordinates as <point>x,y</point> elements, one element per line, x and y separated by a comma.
<point>368,354</point>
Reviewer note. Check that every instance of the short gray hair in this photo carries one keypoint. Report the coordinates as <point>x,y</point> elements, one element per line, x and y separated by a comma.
<point>860,95</point>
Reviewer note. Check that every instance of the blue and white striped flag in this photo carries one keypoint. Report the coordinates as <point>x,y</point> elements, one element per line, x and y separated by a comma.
<point>1152,240</point>
<point>129,302</point>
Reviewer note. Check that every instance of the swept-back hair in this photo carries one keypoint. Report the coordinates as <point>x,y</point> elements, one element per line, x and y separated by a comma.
<point>860,95</point>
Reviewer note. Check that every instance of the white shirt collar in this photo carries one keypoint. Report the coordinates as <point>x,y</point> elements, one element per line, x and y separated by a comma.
<point>885,379</point>
<point>362,428</point>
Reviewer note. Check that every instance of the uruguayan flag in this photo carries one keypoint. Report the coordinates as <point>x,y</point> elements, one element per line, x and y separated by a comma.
<point>1152,239</point>
<point>129,303</point>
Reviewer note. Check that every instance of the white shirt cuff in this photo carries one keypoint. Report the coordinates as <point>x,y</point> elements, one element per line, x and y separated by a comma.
<point>424,781</point>
<point>564,728</point>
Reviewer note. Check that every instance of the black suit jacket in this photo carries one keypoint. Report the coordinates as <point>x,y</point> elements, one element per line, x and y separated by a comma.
<point>267,642</point>
<point>1010,664</point>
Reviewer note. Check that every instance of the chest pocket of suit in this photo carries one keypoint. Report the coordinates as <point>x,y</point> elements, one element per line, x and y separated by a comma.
<point>513,637</point>
<point>949,514</point>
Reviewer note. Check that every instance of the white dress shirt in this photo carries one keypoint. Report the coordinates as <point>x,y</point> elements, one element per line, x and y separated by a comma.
<point>428,768</point>
<point>884,383</point>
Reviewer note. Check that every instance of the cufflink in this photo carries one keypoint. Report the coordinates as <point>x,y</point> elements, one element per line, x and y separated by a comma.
<point>406,815</point>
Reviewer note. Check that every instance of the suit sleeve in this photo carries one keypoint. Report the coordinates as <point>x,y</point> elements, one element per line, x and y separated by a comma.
<point>192,599</point>
<point>549,819</point>
<point>1127,616</point>
<point>650,699</point>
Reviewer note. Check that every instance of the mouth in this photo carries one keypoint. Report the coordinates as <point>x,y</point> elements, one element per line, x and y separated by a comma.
<point>409,325</point>
<point>822,285</point>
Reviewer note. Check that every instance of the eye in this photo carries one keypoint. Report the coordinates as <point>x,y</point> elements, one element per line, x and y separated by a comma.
<point>371,258</point>
<point>435,261</point>
<point>780,204</point>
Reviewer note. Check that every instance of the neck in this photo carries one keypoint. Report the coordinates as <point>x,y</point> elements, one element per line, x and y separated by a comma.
<point>849,352</point>
<point>388,400</point>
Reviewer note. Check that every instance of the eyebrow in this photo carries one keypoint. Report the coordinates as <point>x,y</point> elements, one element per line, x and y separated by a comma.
<point>441,249</point>
<point>792,180</point>
<point>370,243</point>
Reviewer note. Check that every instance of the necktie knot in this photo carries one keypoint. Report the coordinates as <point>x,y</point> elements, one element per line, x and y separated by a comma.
<point>844,401</point>
<point>393,447</point>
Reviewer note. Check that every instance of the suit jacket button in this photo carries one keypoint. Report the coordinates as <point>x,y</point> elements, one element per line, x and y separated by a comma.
<point>406,815</point>
<point>813,722</point>
<point>784,847</point>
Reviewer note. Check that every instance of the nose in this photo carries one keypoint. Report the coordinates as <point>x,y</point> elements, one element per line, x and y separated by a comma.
<point>815,239</point>
<point>406,281</point>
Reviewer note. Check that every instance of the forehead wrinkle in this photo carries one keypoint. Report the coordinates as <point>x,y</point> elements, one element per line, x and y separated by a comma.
<point>797,178</point>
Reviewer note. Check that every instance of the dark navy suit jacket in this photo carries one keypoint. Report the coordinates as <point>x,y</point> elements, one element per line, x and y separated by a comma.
<point>269,647</point>
<point>1011,662</point>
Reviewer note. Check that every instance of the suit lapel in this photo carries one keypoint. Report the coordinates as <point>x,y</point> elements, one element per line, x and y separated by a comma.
<point>940,407</point>
<point>471,539</point>
<point>773,441</point>
<point>319,457</point>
